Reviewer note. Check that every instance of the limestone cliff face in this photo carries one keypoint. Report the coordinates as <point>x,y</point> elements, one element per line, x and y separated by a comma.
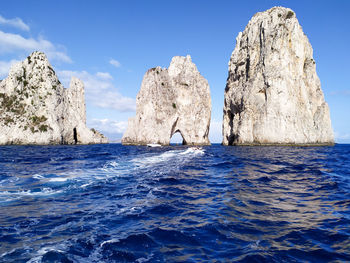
<point>36,109</point>
<point>171,100</point>
<point>273,94</point>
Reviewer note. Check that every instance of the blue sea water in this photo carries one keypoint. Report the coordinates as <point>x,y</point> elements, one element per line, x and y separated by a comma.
<point>114,203</point>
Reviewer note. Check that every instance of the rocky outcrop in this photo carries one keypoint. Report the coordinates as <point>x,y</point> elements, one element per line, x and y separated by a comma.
<point>273,94</point>
<point>36,109</point>
<point>171,100</point>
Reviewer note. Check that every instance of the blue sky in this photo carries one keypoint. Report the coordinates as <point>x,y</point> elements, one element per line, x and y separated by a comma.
<point>111,44</point>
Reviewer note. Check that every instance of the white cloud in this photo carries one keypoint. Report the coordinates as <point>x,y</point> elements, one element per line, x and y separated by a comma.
<point>5,67</point>
<point>104,75</point>
<point>114,100</point>
<point>341,136</point>
<point>10,43</point>
<point>115,63</point>
<point>108,126</point>
<point>99,90</point>
<point>93,82</point>
<point>14,22</point>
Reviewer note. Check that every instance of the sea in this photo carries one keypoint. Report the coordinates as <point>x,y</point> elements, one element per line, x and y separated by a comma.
<point>114,203</point>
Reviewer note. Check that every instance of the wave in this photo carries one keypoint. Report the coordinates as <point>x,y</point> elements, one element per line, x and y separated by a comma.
<point>173,155</point>
<point>80,179</point>
<point>175,204</point>
<point>14,195</point>
<point>50,254</point>
<point>57,183</point>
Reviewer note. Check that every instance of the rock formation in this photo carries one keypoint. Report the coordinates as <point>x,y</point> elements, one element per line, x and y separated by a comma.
<point>273,94</point>
<point>171,100</point>
<point>36,109</point>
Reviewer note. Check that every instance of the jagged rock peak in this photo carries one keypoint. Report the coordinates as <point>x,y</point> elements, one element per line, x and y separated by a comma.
<point>182,65</point>
<point>273,94</point>
<point>171,100</point>
<point>36,109</point>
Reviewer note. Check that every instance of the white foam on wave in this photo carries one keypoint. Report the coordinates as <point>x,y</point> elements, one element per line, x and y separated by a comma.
<point>42,251</point>
<point>79,178</point>
<point>147,259</point>
<point>83,178</point>
<point>111,165</point>
<point>194,150</point>
<point>146,161</point>
<point>76,175</point>
<point>58,179</point>
<point>168,156</point>
<point>112,169</point>
<point>10,196</point>
<point>61,182</point>
<point>38,176</point>
<point>113,240</point>
<point>49,177</point>
<point>85,185</point>
<point>8,252</point>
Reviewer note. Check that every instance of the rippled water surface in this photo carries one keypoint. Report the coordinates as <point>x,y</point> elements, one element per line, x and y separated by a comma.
<point>111,203</point>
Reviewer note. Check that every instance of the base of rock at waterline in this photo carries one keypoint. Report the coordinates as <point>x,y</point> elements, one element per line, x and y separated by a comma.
<point>283,144</point>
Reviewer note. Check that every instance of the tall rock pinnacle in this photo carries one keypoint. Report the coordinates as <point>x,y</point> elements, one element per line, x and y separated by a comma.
<point>171,100</point>
<point>273,94</point>
<point>36,109</point>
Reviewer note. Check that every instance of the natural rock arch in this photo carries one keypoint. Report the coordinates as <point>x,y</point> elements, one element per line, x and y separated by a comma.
<point>176,135</point>
<point>171,100</point>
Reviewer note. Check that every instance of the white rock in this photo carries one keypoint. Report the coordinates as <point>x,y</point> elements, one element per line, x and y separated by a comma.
<point>273,94</point>
<point>36,109</point>
<point>169,101</point>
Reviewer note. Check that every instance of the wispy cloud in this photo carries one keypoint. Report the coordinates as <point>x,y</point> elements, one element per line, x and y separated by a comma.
<point>108,126</point>
<point>344,92</point>
<point>114,100</point>
<point>14,22</point>
<point>5,67</point>
<point>100,90</point>
<point>12,43</point>
<point>115,63</point>
<point>104,75</point>
<point>342,136</point>
<point>92,82</point>
<point>112,129</point>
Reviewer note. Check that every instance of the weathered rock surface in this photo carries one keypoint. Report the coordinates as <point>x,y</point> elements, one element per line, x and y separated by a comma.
<point>273,94</point>
<point>171,100</point>
<point>36,109</point>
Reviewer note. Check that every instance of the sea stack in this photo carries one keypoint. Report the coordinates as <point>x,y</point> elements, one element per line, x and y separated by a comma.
<point>36,109</point>
<point>273,94</point>
<point>171,100</point>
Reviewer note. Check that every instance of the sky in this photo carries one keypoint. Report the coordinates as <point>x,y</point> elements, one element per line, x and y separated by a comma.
<point>111,44</point>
